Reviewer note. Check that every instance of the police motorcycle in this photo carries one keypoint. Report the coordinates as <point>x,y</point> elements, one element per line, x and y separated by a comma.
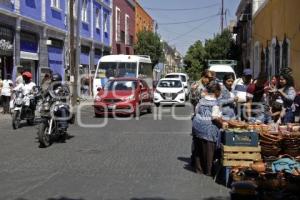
<point>24,106</point>
<point>56,115</point>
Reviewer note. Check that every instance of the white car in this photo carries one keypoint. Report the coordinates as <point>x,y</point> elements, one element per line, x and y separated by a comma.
<point>185,81</point>
<point>169,91</point>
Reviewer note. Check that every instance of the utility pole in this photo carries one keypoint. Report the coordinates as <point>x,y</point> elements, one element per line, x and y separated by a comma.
<point>74,51</point>
<point>222,16</point>
<point>72,54</point>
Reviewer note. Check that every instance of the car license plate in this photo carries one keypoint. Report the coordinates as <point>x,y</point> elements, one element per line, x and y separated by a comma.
<point>111,107</point>
<point>168,98</point>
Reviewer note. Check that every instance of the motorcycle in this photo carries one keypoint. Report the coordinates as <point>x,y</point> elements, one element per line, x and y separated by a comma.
<point>56,116</point>
<point>24,106</point>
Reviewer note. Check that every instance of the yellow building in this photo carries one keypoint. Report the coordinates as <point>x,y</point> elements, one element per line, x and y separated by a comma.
<point>143,21</point>
<point>276,37</point>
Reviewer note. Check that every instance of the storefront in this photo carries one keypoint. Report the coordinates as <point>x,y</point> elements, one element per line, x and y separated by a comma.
<point>6,51</point>
<point>29,57</point>
<point>55,57</point>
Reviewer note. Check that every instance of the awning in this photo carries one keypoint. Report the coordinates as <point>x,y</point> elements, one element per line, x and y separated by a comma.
<point>28,55</point>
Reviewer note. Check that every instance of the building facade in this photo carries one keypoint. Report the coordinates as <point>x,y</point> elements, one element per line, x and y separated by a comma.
<point>123,26</point>
<point>33,35</point>
<point>276,37</point>
<point>143,21</point>
<point>243,30</point>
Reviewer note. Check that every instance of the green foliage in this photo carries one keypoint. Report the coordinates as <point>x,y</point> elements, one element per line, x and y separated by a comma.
<point>194,60</point>
<point>148,43</point>
<point>221,47</point>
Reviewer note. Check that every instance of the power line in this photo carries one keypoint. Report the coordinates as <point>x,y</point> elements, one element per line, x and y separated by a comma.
<point>191,30</point>
<point>189,21</point>
<point>182,9</point>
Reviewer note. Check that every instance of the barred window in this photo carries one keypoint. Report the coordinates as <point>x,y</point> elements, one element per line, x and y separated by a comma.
<point>277,57</point>
<point>285,49</point>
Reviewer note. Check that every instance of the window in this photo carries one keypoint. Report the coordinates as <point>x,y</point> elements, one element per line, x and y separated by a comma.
<point>118,24</point>
<point>55,3</point>
<point>127,39</point>
<point>268,71</point>
<point>277,57</point>
<point>84,14</point>
<point>285,53</point>
<point>97,18</point>
<point>105,21</point>
<point>256,59</point>
<point>262,61</point>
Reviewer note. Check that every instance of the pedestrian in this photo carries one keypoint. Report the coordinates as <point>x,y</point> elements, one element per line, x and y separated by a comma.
<point>228,99</point>
<point>206,128</point>
<point>6,93</point>
<point>239,89</point>
<point>287,93</point>
<point>198,91</point>
<point>198,88</point>
<point>257,108</point>
<point>19,79</point>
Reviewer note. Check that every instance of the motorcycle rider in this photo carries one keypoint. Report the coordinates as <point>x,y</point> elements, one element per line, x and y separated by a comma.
<point>59,90</point>
<point>27,85</point>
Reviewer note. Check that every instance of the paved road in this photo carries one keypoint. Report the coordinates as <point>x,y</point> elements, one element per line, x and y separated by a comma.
<point>126,159</point>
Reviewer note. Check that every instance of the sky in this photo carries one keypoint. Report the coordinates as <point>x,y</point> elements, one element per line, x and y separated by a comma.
<point>182,22</point>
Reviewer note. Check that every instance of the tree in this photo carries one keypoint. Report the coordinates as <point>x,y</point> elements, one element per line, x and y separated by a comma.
<point>148,43</point>
<point>221,47</point>
<point>194,60</point>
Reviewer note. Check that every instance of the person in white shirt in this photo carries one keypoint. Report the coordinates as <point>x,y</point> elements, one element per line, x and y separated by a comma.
<point>7,85</point>
<point>239,89</point>
<point>28,85</point>
<point>19,79</point>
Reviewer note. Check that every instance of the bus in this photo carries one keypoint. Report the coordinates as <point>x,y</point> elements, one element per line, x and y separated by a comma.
<point>116,66</point>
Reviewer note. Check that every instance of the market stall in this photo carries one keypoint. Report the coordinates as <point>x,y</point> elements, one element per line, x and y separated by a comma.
<point>261,160</point>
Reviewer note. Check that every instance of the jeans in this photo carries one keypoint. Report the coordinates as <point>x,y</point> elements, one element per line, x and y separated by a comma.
<point>289,116</point>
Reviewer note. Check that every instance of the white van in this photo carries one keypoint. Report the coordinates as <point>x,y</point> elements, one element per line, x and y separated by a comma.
<point>184,79</point>
<point>222,70</point>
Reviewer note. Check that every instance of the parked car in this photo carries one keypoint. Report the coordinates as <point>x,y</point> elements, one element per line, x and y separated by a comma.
<point>184,79</point>
<point>123,96</point>
<point>169,91</point>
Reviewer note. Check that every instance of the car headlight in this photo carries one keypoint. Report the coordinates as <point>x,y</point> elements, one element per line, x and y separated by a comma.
<point>157,91</point>
<point>129,98</point>
<point>98,98</point>
<point>181,91</point>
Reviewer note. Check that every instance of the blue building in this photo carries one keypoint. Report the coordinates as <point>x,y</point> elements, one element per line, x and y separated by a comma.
<point>34,35</point>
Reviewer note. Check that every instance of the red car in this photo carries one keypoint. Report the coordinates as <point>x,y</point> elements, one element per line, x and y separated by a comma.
<point>123,96</point>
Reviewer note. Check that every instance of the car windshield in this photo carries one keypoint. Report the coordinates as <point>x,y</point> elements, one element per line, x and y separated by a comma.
<point>220,75</point>
<point>170,84</point>
<point>182,77</point>
<point>121,85</point>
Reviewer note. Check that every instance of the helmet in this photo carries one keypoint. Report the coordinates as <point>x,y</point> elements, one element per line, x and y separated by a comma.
<point>56,77</point>
<point>27,75</point>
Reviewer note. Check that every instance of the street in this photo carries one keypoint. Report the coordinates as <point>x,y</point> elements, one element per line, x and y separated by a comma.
<point>126,159</point>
